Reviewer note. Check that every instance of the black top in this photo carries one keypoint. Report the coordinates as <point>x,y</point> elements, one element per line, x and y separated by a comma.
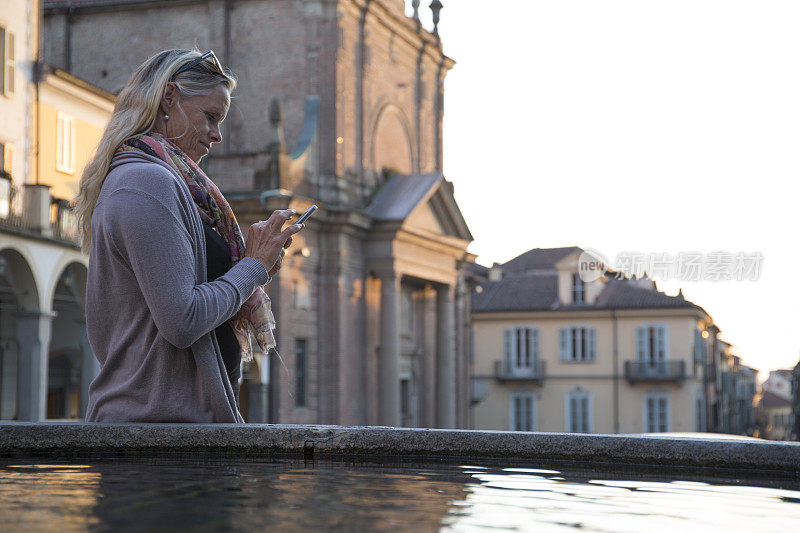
<point>218,262</point>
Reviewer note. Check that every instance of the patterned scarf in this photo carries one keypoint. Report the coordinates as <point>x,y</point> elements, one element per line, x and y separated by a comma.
<point>256,313</point>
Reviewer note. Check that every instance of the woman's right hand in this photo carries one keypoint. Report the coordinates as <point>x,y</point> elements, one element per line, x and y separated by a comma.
<point>266,241</point>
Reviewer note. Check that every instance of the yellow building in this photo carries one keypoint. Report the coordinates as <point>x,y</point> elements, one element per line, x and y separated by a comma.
<point>51,123</point>
<point>72,117</point>
<point>554,353</point>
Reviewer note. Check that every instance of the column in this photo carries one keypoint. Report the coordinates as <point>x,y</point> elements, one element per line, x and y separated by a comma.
<point>9,377</point>
<point>445,359</point>
<point>258,410</point>
<point>33,335</point>
<point>37,208</point>
<point>389,363</point>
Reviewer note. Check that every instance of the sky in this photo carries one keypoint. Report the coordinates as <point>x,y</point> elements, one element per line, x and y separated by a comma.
<point>647,126</point>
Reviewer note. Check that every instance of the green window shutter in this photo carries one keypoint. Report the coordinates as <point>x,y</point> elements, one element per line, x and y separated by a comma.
<point>585,414</point>
<point>572,418</point>
<point>564,351</point>
<point>661,343</point>
<point>508,342</point>
<point>9,61</point>
<point>2,59</point>
<point>592,332</point>
<point>699,348</point>
<point>641,344</point>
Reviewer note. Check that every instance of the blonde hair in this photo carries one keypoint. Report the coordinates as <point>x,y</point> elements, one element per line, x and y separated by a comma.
<point>135,114</point>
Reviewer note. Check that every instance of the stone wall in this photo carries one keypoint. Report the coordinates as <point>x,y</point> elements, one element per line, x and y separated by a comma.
<point>422,444</point>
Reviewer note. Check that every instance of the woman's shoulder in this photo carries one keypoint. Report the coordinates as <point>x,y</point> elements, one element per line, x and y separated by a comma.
<point>146,177</point>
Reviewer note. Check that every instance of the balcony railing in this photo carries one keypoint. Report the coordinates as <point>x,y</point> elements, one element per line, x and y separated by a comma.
<point>64,221</point>
<point>655,371</point>
<point>30,209</point>
<point>504,371</point>
<point>11,205</point>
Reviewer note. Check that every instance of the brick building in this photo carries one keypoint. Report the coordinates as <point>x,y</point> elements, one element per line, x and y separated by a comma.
<point>340,103</point>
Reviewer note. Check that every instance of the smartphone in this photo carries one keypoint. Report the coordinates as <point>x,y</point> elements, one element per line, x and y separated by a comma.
<point>305,215</point>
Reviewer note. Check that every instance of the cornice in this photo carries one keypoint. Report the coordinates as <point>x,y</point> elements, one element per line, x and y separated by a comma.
<point>604,313</point>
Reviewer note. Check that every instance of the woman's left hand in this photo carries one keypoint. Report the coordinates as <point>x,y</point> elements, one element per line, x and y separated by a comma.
<point>279,263</point>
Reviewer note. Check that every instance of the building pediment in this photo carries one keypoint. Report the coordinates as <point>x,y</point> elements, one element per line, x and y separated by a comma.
<point>421,203</point>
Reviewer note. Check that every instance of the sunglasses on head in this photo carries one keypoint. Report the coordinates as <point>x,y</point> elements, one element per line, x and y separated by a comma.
<point>193,63</point>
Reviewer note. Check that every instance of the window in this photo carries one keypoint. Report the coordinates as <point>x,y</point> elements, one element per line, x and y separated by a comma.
<point>65,143</point>
<point>522,414</point>
<point>578,289</point>
<point>5,197</point>
<point>578,411</point>
<point>700,412</point>
<point>699,348</point>
<point>302,295</point>
<point>656,413</point>
<point>300,372</point>
<point>651,343</point>
<point>577,344</point>
<point>521,349</point>
<point>5,180</point>
<point>7,53</point>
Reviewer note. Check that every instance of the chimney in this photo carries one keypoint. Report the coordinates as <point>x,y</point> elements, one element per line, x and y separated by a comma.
<point>496,272</point>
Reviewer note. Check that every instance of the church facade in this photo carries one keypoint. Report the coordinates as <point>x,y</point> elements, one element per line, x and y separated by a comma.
<point>339,104</point>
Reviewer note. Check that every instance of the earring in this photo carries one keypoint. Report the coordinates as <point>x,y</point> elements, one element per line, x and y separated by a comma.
<point>166,117</point>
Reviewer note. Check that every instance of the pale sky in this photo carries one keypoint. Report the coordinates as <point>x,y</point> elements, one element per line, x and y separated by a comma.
<point>644,126</point>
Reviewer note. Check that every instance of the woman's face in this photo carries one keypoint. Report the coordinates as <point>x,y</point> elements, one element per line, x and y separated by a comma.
<point>196,128</point>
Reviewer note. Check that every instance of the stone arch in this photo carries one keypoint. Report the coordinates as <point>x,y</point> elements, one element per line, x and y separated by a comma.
<point>19,335</point>
<point>72,280</point>
<point>71,362</point>
<point>17,269</point>
<point>391,143</point>
<point>72,268</point>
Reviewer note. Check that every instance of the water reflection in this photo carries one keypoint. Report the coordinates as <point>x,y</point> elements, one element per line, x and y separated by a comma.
<point>218,494</point>
<point>35,497</point>
<point>521,499</point>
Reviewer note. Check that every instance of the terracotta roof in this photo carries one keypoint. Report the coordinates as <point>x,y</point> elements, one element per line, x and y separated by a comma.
<point>538,258</point>
<point>522,292</point>
<point>530,283</point>
<point>477,270</point>
<point>770,399</point>
<point>620,294</point>
<point>74,80</point>
<point>88,3</point>
<point>538,291</point>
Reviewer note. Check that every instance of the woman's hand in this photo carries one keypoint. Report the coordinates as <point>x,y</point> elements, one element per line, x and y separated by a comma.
<point>267,243</point>
<point>277,266</point>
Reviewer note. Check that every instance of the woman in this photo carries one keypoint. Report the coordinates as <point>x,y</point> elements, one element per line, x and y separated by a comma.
<point>156,228</point>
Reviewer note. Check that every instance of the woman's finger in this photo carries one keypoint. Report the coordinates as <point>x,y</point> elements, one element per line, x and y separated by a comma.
<point>278,217</point>
<point>287,233</point>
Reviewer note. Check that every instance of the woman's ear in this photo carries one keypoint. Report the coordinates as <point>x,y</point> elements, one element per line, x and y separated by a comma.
<point>169,98</point>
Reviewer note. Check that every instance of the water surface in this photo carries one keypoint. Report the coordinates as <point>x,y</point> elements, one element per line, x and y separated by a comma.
<point>217,494</point>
